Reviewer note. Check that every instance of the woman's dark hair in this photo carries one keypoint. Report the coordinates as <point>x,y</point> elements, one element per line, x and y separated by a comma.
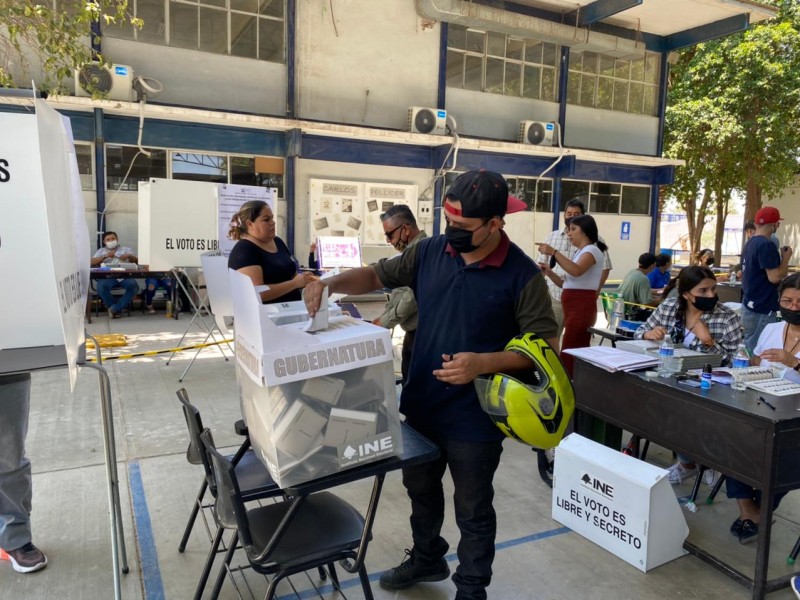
<point>704,255</point>
<point>687,279</point>
<point>790,282</point>
<point>587,224</point>
<point>248,212</point>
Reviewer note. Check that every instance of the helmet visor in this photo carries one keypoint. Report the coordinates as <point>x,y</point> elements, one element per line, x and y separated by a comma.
<point>502,395</point>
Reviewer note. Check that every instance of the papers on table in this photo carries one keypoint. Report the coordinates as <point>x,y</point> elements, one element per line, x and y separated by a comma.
<point>613,359</point>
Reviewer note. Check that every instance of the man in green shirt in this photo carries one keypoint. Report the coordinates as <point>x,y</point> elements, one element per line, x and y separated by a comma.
<point>635,288</point>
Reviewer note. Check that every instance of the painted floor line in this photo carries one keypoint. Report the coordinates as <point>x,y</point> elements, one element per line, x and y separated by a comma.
<point>356,582</point>
<point>151,573</point>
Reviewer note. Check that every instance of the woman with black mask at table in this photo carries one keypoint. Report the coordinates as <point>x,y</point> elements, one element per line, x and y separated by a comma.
<point>695,320</point>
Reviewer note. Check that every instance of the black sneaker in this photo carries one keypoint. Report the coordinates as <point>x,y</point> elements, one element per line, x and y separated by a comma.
<point>749,532</point>
<point>409,572</point>
<point>27,559</point>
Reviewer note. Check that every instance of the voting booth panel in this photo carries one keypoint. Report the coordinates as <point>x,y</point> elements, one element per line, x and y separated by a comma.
<point>215,270</point>
<point>43,240</point>
<point>179,220</point>
<point>314,403</point>
<point>620,503</point>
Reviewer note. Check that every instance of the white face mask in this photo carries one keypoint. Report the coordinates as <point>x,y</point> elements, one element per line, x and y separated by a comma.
<point>111,245</point>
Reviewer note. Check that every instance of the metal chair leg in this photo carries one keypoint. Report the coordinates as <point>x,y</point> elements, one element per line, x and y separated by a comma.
<point>224,568</point>
<point>696,487</point>
<point>364,577</point>
<point>192,517</point>
<point>334,576</point>
<point>212,554</point>
<point>793,554</point>
<point>715,490</point>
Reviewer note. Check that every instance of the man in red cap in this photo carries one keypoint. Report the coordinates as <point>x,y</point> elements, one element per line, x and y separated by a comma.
<point>763,267</point>
<point>475,291</point>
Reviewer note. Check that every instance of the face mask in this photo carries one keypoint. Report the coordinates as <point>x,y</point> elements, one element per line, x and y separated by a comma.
<point>705,304</point>
<point>459,239</point>
<point>710,262</point>
<point>400,245</point>
<point>792,317</point>
<point>112,244</point>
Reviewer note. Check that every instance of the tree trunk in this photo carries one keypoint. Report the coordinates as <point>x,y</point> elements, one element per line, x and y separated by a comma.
<point>699,223</point>
<point>753,202</point>
<point>723,201</point>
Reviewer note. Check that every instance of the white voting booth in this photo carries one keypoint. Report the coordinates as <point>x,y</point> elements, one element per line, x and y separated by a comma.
<point>622,504</point>
<point>44,258</point>
<point>314,403</point>
<point>181,220</point>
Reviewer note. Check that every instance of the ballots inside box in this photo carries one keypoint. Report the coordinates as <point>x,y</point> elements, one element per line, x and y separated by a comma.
<point>323,389</point>
<point>298,429</point>
<point>349,426</point>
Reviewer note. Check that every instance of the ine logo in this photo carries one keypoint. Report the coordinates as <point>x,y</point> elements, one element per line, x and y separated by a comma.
<point>603,488</point>
<point>368,449</point>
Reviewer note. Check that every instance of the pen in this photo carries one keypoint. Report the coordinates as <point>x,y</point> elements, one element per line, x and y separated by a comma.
<point>761,399</point>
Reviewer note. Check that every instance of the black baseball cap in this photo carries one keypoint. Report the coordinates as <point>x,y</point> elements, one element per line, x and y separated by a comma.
<point>483,194</point>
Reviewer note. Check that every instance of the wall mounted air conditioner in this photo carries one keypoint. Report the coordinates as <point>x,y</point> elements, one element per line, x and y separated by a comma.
<point>115,81</point>
<point>432,121</point>
<point>537,133</point>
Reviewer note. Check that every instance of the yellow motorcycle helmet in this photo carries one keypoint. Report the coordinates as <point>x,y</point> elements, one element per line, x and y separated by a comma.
<point>535,406</point>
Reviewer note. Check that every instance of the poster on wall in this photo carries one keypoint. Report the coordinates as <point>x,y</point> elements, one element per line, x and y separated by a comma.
<point>380,197</point>
<point>337,208</point>
<point>41,206</point>
<point>353,208</point>
<point>230,199</point>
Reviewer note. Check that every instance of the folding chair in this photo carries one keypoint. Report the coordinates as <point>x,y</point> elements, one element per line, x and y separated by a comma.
<point>290,537</point>
<point>256,481</point>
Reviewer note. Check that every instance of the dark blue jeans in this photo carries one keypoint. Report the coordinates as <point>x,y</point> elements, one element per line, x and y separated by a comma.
<point>151,285</point>
<point>472,466</point>
<point>737,490</point>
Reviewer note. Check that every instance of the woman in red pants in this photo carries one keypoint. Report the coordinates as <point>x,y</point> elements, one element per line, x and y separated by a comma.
<point>583,273</point>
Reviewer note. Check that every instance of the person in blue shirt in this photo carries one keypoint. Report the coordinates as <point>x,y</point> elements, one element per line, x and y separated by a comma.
<point>660,276</point>
<point>475,291</point>
<point>763,268</point>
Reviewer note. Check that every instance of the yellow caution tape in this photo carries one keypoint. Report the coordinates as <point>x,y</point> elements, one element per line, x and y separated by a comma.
<point>155,352</point>
<point>613,298</point>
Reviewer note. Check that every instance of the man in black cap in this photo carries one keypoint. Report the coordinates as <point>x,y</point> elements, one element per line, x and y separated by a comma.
<point>475,291</point>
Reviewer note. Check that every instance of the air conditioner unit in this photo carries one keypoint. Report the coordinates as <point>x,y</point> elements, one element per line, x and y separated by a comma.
<point>115,81</point>
<point>538,133</point>
<point>427,120</point>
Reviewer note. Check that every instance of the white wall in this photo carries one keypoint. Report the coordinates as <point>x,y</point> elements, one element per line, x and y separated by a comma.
<point>624,253</point>
<point>308,169</point>
<point>788,202</point>
<point>527,228</point>
<point>494,115</point>
<point>204,79</point>
<point>380,63</point>
<point>610,130</point>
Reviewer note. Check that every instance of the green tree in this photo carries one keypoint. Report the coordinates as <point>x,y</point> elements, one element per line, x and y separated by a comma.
<point>734,116</point>
<point>57,35</point>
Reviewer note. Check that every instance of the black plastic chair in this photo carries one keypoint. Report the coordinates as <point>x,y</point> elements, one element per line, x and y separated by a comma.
<point>285,538</point>
<point>256,482</point>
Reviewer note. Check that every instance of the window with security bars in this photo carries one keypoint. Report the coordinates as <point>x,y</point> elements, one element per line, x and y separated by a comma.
<point>608,198</point>
<point>246,28</point>
<point>538,196</point>
<point>486,61</point>
<point>600,81</point>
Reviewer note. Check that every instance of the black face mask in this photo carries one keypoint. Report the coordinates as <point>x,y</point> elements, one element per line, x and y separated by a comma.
<point>461,239</point>
<point>792,317</point>
<point>705,304</point>
<point>710,262</point>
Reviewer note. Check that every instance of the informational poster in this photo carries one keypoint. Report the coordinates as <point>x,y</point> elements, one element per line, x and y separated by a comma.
<point>353,208</point>
<point>230,199</point>
<point>625,230</point>
<point>380,197</point>
<point>343,252</point>
<point>43,296</point>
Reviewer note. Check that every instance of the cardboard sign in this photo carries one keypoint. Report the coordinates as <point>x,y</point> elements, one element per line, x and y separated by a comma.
<point>179,219</point>
<point>620,503</point>
<point>44,242</point>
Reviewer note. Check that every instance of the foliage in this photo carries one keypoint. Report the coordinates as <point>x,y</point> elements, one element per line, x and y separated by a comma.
<point>57,33</point>
<point>734,116</point>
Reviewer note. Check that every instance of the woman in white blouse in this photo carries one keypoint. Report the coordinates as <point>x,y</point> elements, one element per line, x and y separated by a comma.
<point>778,346</point>
<point>583,274</point>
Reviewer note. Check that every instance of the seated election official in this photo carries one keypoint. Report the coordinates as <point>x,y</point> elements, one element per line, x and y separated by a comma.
<point>262,256</point>
<point>110,255</point>
<point>777,346</point>
<point>696,320</point>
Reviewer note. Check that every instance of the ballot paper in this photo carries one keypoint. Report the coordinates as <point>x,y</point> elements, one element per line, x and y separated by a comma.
<point>613,359</point>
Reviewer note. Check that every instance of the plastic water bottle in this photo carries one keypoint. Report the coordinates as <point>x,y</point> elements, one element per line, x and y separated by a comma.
<point>741,360</point>
<point>665,357</point>
<point>617,314</point>
<point>705,377</point>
